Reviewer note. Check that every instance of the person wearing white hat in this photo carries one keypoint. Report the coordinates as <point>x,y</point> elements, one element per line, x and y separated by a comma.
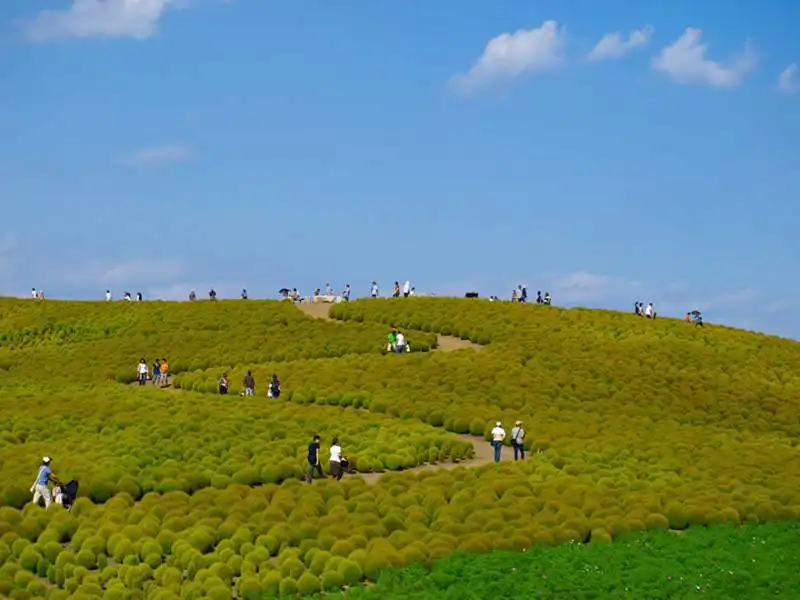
<point>40,488</point>
<point>517,440</point>
<point>498,435</point>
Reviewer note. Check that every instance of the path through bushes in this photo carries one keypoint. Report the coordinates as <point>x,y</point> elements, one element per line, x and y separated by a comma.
<point>444,343</point>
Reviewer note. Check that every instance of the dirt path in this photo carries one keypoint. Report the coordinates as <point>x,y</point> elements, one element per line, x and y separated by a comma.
<point>484,455</point>
<point>444,343</point>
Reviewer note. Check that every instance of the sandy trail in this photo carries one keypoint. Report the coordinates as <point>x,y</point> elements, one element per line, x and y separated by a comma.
<point>484,455</point>
<point>445,343</point>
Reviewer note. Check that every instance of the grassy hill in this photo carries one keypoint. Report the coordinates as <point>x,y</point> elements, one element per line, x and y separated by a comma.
<point>634,425</point>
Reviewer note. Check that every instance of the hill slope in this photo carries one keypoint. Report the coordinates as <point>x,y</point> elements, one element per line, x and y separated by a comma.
<point>634,424</point>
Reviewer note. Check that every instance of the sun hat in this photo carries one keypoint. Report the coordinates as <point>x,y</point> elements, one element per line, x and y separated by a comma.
<point>519,422</point>
<point>498,424</point>
<point>46,459</point>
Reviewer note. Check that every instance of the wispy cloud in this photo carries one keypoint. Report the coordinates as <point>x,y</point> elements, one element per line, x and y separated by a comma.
<point>788,79</point>
<point>582,286</point>
<point>612,46</point>
<point>158,156</point>
<point>107,274</point>
<point>99,18</point>
<point>685,62</point>
<point>512,55</point>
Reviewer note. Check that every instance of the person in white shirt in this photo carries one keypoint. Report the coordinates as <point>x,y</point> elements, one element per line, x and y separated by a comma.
<point>374,289</point>
<point>142,371</point>
<point>406,288</point>
<point>498,435</point>
<point>346,293</point>
<point>400,342</point>
<point>108,295</point>
<point>413,292</point>
<point>336,460</point>
<point>648,312</point>
<point>517,440</point>
<point>34,294</point>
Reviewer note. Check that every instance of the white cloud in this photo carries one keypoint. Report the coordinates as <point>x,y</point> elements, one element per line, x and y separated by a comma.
<point>511,55</point>
<point>582,286</point>
<point>158,156</point>
<point>99,18</point>
<point>788,79</point>
<point>122,273</point>
<point>613,46</point>
<point>685,62</point>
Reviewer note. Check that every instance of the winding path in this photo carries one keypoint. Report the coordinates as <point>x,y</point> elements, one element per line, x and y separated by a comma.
<point>483,451</point>
<point>484,455</point>
<point>444,343</point>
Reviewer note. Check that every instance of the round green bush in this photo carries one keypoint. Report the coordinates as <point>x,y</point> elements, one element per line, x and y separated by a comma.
<point>332,581</point>
<point>270,583</point>
<point>249,588</point>
<point>308,584</point>
<point>87,558</point>
<point>288,587</point>
<point>29,559</point>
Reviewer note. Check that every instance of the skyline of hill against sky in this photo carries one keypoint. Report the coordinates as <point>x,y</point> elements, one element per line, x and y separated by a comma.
<point>635,153</point>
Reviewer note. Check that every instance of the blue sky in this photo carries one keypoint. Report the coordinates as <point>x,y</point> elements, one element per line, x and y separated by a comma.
<point>159,145</point>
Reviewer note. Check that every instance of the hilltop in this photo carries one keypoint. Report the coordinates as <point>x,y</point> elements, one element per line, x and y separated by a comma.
<point>633,425</point>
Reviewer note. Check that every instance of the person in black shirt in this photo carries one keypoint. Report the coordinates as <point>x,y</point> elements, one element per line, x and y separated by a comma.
<point>313,460</point>
<point>249,384</point>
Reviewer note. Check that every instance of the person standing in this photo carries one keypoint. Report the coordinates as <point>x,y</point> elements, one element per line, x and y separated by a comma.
<point>313,460</point>
<point>346,293</point>
<point>274,389</point>
<point>498,435</point>
<point>223,384</point>
<point>40,489</point>
<point>156,371</point>
<point>142,371</point>
<point>406,288</point>
<point>164,368</point>
<point>517,441</point>
<point>249,384</point>
<point>336,460</point>
<point>400,342</point>
<point>374,290</point>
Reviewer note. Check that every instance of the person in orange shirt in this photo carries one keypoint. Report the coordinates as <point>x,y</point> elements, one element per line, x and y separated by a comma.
<point>164,368</point>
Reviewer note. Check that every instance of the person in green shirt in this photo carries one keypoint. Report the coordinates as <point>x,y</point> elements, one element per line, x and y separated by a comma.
<point>392,339</point>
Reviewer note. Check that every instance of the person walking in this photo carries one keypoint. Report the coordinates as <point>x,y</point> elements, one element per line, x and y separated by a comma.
<point>40,489</point>
<point>223,384</point>
<point>313,460</point>
<point>517,441</point>
<point>249,384</point>
<point>142,371</point>
<point>336,460</point>
<point>498,435</point>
